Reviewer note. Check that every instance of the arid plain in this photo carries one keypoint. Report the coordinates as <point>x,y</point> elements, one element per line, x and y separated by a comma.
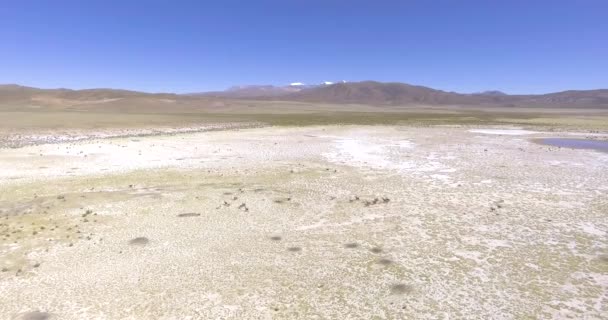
<point>293,211</point>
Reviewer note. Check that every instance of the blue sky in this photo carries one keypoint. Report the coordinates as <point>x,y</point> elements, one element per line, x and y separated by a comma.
<point>188,46</point>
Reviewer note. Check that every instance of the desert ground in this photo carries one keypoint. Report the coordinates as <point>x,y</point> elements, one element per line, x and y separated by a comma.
<point>446,215</point>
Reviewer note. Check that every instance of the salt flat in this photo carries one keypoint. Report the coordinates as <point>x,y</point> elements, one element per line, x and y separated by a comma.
<point>321,222</point>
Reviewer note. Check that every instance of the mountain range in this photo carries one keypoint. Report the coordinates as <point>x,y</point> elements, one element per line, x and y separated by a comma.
<point>365,92</point>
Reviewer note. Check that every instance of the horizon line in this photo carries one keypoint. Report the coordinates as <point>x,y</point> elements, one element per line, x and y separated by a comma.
<point>286,85</point>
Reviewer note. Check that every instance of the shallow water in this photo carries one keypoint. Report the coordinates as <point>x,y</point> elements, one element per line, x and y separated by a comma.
<point>576,143</point>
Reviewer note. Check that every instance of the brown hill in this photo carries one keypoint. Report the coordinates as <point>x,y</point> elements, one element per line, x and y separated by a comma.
<point>378,93</point>
<point>372,92</point>
<point>12,96</point>
<point>575,97</point>
<point>366,93</point>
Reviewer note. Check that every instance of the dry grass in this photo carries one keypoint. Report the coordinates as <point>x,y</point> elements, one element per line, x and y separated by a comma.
<point>49,120</point>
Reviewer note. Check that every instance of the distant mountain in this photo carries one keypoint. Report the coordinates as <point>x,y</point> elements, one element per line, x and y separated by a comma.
<point>597,97</point>
<point>251,91</point>
<point>84,94</point>
<point>491,93</point>
<point>257,91</point>
<point>16,97</point>
<point>10,87</point>
<point>366,92</point>
<point>372,92</point>
<point>379,93</point>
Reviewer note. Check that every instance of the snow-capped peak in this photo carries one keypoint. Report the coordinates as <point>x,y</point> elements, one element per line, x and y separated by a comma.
<point>296,84</point>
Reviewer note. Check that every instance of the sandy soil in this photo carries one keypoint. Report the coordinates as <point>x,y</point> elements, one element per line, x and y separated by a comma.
<point>327,222</point>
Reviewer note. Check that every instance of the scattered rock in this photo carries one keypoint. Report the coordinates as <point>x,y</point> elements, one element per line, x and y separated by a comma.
<point>282,200</point>
<point>376,250</point>
<point>384,261</point>
<point>375,201</point>
<point>400,289</point>
<point>497,205</point>
<point>351,245</point>
<point>276,238</point>
<point>139,241</point>
<point>34,315</point>
<point>294,249</point>
<point>188,214</point>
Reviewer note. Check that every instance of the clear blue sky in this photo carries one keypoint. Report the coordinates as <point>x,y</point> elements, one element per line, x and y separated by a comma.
<point>186,46</point>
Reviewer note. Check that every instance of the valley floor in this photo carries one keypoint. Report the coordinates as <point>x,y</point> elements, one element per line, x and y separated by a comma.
<point>320,222</point>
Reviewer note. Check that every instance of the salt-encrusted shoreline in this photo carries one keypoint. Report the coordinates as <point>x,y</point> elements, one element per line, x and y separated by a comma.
<point>18,139</point>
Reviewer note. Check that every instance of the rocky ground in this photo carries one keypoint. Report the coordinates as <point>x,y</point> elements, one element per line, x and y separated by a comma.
<point>321,222</point>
